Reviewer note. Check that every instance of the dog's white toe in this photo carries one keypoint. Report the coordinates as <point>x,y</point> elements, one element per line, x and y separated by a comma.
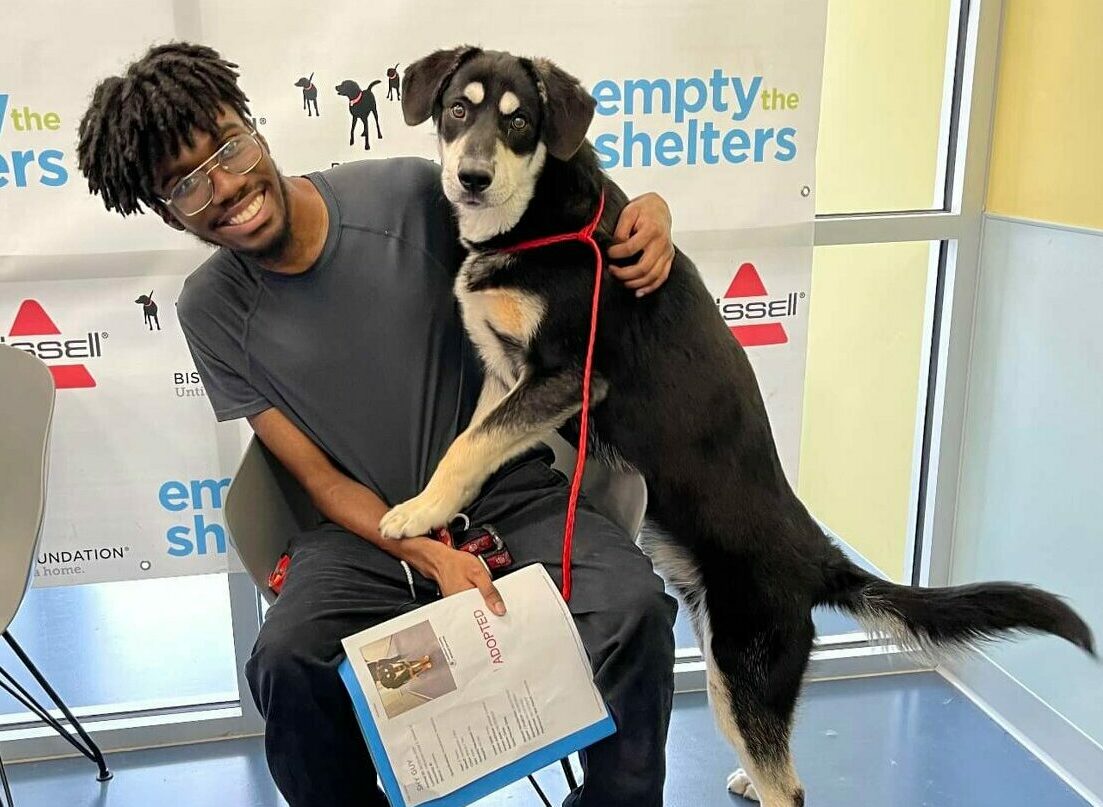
<point>740,784</point>
<point>414,517</point>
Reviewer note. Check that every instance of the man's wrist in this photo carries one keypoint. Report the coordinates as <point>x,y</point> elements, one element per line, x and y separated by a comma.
<point>421,552</point>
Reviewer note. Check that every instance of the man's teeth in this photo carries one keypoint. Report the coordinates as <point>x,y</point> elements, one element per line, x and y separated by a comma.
<point>248,213</point>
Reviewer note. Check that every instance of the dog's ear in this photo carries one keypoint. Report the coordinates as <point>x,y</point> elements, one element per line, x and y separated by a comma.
<point>568,108</point>
<point>424,80</point>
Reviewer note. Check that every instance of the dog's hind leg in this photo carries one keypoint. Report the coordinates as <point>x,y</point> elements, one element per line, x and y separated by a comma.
<point>753,683</point>
<point>378,131</point>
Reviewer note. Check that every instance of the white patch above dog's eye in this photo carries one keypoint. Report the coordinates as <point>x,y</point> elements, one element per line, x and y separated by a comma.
<point>509,103</point>
<point>474,92</point>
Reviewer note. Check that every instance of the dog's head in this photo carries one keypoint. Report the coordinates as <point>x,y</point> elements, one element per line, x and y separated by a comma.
<point>498,117</point>
<point>304,82</point>
<point>348,88</point>
<point>144,300</point>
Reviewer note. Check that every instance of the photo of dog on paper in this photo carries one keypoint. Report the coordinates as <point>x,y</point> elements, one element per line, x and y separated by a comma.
<point>408,668</point>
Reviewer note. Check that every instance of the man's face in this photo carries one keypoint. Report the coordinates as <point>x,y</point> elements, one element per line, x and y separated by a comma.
<point>248,212</point>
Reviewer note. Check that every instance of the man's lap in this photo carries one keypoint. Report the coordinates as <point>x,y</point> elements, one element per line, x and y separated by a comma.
<point>339,583</point>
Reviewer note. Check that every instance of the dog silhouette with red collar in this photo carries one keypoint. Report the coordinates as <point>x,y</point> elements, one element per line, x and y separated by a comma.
<point>361,105</point>
<point>393,84</point>
<point>310,95</point>
<point>149,310</point>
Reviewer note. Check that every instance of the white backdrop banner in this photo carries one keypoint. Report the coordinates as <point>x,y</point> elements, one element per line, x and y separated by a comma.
<point>712,103</point>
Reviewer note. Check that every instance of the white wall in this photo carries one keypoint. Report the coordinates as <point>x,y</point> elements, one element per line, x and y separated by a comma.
<point>1031,501</point>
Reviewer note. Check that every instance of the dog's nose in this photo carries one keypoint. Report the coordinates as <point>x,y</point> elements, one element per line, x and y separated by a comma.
<point>475,180</point>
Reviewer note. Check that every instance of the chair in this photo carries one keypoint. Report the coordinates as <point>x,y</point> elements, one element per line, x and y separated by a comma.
<point>26,414</point>
<point>265,506</point>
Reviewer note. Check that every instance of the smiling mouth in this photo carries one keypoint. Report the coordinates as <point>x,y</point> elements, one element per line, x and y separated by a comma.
<point>248,214</point>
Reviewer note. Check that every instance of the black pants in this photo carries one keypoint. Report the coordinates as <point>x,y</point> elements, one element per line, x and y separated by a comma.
<point>339,584</point>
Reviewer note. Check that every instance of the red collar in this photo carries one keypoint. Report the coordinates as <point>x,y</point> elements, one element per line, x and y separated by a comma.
<point>356,100</point>
<point>586,234</point>
<point>311,87</point>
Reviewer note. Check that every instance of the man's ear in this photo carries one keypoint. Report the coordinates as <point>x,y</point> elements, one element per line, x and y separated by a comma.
<point>568,109</point>
<point>424,81</point>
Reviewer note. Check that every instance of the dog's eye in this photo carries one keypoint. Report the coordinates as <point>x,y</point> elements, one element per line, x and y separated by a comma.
<point>459,111</point>
<point>519,122</point>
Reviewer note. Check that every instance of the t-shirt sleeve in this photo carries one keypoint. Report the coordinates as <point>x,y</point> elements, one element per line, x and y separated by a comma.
<point>231,396</point>
<point>220,362</point>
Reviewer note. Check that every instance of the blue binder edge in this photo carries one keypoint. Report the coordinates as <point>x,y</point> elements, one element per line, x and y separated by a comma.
<point>484,786</point>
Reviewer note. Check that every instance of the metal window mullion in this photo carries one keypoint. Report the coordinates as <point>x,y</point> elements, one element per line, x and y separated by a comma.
<point>943,450</point>
<point>886,228</point>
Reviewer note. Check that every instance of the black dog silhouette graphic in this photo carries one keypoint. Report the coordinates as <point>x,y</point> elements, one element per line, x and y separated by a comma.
<point>361,104</point>
<point>393,83</point>
<point>310,95</point>
<point>149,310</point>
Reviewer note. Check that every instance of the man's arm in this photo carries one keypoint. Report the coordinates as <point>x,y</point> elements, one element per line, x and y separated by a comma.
<point>355,507</point>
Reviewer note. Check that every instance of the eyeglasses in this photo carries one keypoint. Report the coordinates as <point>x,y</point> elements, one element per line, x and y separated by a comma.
<point>238,155</point>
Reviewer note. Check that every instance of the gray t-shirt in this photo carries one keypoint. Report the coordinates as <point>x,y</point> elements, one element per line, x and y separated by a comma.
<point>365,351</point>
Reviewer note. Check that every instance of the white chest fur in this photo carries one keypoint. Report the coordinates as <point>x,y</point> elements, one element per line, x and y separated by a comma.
<point>497,319</point>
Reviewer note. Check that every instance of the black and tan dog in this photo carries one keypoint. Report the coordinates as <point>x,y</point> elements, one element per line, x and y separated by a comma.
<point>674,397</point>
<point>361,105</point>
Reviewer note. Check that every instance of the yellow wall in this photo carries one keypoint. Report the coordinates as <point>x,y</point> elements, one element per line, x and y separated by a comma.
<point>1049,113</point>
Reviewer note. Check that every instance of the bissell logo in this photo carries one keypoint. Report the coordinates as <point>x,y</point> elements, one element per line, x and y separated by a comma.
<point>747,301</point>
<point>35,332</point>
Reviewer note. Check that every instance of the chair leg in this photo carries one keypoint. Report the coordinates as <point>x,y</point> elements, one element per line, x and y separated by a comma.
<point>7,800</point>
<point>89,748</point>
<point>539,792</point>
<point>568,774</point>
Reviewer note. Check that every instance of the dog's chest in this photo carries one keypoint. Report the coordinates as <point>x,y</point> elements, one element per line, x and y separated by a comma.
<point>501,320</point>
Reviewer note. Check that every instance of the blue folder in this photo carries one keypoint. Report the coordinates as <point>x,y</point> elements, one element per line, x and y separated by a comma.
<point>473,791</point>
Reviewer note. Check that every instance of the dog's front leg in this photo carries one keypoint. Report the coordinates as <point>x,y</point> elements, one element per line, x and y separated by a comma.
<point>534,408</point>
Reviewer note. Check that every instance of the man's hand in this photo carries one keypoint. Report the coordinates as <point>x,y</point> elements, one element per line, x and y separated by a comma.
<point>454,570</point>
<point>643,227</point>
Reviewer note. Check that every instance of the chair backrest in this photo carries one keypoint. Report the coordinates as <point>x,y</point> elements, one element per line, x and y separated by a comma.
<point>26,412</point>
<point>266,506</point>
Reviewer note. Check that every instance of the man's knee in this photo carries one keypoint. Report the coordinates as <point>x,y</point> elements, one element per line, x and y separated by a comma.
<point>654,613</point>
<point>287,660</point>
<point>641,616</point>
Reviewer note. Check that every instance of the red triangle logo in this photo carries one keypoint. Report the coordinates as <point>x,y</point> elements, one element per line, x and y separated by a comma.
<point>72,376</point>
<point>748,283</point>
<point>32,320</point>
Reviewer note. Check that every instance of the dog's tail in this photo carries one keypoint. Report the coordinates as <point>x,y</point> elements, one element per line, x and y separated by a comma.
<point>377,81</point>
<point>940,619</point>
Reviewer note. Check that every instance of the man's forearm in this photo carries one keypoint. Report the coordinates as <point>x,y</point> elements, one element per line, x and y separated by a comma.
<point>355,507</point>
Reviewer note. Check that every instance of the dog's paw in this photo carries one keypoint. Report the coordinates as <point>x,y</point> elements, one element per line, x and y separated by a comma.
<point>415,517</point>
<point>740,784</point>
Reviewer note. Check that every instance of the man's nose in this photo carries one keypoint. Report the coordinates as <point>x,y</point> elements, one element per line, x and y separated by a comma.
<point>226,185</point>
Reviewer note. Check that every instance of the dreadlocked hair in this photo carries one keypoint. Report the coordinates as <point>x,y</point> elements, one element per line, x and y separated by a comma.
<point>138,119</point>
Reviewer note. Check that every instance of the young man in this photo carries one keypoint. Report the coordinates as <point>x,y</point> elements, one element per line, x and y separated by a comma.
<point>327,319</point>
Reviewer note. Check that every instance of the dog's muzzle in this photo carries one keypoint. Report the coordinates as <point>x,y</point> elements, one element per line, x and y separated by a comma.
<point>475,175</point>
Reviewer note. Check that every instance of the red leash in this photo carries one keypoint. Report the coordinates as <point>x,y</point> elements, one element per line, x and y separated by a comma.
<point>586,235</point>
